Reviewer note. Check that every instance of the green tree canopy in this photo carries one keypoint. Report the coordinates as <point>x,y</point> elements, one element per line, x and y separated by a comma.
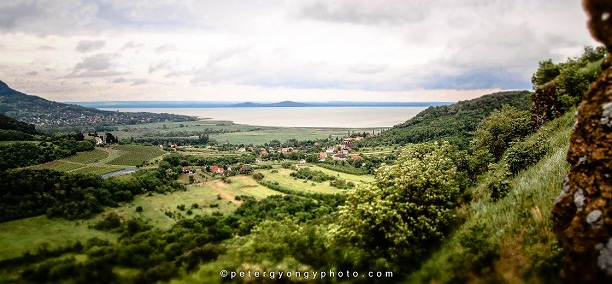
<point>408,208</point>
<point>495,133</point>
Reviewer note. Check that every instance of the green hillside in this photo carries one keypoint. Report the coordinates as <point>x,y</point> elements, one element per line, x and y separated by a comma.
<point>45,113</point>
<point>509,240</point>
<point>451,122</point>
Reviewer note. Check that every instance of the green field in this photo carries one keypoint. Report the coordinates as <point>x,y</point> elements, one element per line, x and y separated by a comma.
<point>228,132</point>
<point>88,157</point>
<point>284,180</point>
<point>28,234</point>
<point>133,155</point>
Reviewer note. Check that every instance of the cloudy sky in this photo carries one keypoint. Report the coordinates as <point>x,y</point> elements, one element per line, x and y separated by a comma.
<point>302,50</point>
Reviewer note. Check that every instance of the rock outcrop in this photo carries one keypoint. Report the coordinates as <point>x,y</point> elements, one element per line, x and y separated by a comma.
<point>582,213</point>
<point>545,106</point>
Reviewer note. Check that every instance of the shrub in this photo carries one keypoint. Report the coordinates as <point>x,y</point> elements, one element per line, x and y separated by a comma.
<point>498,181</point>
<point>139,209</point>
<point>407,209</point>
<point>520,155</point>
<point>258,176</point>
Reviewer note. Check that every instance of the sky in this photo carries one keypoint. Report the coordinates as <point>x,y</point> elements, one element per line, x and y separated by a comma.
<point>264,51</point>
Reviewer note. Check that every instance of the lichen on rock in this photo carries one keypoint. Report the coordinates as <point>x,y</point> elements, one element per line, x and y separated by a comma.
<point>582,213</point>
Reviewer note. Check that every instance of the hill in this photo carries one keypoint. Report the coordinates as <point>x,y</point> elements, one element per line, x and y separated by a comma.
<point>279,104</point>
<point>452,122</point>
<point>41,112</point>
<point>7,123</point>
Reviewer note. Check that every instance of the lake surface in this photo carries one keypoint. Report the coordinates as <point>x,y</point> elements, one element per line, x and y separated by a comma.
<point>337,117</point>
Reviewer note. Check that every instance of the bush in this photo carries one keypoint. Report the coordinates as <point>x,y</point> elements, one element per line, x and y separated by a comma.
<point>258,176</point>
<point>495,133</point>
<point>139,209</point>
<point>109,222</point>
<point>498,181</point>
<point>407,209</point>
<point>523,154</point>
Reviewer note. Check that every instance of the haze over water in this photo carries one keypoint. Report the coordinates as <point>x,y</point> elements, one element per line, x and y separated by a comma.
<point>336,117</point>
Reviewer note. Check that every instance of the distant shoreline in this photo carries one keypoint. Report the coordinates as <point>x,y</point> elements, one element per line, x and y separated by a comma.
<point>200,104</point>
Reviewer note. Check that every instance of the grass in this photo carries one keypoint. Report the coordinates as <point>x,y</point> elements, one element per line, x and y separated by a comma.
<point>283,179</point>
<point>134,155</point>
<point>19,236</point>
<point>348,177</point>
<point>58,165</point>
<point>88,157</point>
<point>246,185</point>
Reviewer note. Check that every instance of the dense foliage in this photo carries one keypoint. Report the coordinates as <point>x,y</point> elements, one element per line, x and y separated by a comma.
<point>7,123</point>
<point>26,193</point>
<point>453,123</point>
<point>503,127</point>
<point>408,209</point>
<point>21,154</point>
<point>313,175</point>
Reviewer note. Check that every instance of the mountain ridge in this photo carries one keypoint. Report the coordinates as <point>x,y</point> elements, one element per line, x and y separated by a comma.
<point>42,112</point>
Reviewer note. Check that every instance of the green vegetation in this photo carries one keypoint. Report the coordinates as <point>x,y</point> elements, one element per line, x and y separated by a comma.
<point>453,123</point>
<point>511,239</point>
<point>503,127</point>
<point>136,155</point>
<point>21,154</point>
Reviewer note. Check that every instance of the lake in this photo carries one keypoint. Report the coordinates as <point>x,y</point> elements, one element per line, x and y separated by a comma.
<point>334,117</point>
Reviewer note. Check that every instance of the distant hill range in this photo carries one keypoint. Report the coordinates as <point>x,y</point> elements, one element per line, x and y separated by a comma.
<point>198,104</point>
<point>454,123</point>
<point>43,113</point>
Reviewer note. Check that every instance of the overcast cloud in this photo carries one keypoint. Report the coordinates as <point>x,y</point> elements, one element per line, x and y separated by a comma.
<point>302,50</point>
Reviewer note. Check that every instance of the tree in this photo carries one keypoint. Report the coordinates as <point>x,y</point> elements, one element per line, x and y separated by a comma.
<point>495,133</point>
<point>409,206</point>
<point>547,71</point>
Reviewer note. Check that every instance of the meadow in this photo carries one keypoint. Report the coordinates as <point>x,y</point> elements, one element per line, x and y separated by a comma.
<point>229,132</point>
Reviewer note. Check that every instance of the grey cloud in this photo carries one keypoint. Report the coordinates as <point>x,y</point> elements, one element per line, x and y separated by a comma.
<point>131,44</point>
<point>32,73</point>
<point>119,80</point>
<point>225,54</point>
<point>139,82</point>
<point>46,17</point>
<point>99,65</point>
<point>165,48</point>
<point>11,15</point>
<point>368,69</point>
<point>365,12</point>
<point>165,64</point>
<point>89,45</point>
<point>96,62</point>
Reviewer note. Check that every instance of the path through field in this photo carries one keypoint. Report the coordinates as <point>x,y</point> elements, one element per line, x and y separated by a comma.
<point>218,186</point>
<point>112,154</point>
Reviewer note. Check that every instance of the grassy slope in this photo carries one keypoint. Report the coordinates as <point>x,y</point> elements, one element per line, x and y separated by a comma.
<point>519,225</point>
<point>19,236</point>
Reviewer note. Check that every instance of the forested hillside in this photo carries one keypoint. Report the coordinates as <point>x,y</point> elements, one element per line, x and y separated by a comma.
<point>450,122</point>
<point>45,113</point>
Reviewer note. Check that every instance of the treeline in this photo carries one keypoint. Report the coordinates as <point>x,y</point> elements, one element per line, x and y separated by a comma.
<point>160,255</point>
<point>8,123</point>
<point>27,193</point>
<point>21,154</point>
<point>453,123</point>
<point>188,160</point>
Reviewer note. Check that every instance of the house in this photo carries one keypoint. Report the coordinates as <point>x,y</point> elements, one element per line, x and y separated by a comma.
<point>241,149</point>
<point>186,170</point>
<point>322,156</point>
<point>302,161</point>
<point>99,141</point>
<point>330,150</point>
<point>356,157</point>
<point>339,157</point>
<point>218,170</point>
